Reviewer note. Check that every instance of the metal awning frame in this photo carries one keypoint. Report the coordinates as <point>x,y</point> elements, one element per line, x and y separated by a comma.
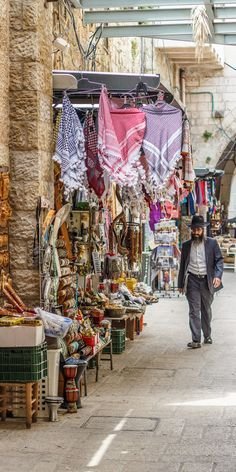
<point>168,19</point>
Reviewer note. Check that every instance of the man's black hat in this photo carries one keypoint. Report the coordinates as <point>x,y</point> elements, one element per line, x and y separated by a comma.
<point>198,222</point>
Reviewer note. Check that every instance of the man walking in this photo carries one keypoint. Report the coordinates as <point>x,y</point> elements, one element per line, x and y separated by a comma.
<point>201,269</point>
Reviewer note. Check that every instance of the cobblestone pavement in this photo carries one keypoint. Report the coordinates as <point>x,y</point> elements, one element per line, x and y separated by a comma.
<point>164,408</point>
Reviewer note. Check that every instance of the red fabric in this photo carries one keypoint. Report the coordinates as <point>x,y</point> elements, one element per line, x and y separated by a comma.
<point>170,210</point>
<point>203,192</point>
<point>94,170</point>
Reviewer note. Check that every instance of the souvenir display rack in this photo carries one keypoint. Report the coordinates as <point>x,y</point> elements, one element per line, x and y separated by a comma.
<point>216,223</point>
<point>165,258</point>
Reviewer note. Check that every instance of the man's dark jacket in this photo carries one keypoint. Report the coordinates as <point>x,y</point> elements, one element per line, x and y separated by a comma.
<point>214,262</point>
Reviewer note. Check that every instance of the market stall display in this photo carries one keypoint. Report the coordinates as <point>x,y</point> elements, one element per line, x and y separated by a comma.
<point>203,199</point>
<point>115,168</point>
<point>228,248</point>
<point>230,227</point>
<point>165,257</point>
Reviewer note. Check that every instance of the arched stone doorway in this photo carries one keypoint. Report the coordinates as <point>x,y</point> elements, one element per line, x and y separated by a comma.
<point>227,163</point>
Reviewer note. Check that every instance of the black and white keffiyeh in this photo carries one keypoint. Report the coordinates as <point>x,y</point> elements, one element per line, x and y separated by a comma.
<point>70,150</point>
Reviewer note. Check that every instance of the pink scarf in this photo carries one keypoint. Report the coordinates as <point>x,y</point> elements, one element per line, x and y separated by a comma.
<point>120,136</point>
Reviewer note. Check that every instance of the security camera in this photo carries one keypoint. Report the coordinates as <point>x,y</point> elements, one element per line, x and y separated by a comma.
<point>61,44</point>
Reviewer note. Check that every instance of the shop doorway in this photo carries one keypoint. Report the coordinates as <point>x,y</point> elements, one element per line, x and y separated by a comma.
<point>227,191</point>
<point>232,197</point>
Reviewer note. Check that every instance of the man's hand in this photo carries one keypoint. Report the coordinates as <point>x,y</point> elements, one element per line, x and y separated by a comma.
<point>181,290</point>
<point>216,282</point>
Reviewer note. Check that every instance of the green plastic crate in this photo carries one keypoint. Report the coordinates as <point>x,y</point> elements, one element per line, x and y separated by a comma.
<point>92,364</point>
<point>117,347</point>
<point>23,355</point>
<point>118,342</point>
<point>118,334</point>
<point>23,364</point>
<point>118,350</point>
<point>31,373</point>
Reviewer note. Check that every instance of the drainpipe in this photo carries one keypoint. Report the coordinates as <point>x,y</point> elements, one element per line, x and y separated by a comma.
<point>142,56</point>
<point>212,99</point>
<point>183,86</point>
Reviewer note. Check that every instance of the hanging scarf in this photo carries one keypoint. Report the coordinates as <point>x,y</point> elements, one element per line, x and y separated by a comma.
<point>94,170</point>
<point>191,204</point>
<point>188,171</point>
<point>155,214</point>
<point>120,136</point>
<point>198,193</point>
<point>162,141</point>
<point>203,192</point>
<point>174,186</point>
<point>70,150</point>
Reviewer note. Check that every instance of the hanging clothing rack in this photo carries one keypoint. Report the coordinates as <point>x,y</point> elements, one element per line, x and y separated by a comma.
<point>89,85</point>
<point>207,174</point>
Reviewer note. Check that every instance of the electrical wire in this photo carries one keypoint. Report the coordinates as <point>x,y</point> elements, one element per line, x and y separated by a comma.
<point>68,8</point>
<point>220,128</point>
<point>228,153</point>
<point>229,65</point>
<point>94,39</point>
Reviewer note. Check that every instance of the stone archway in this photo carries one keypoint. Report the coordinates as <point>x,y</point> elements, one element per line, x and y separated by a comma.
<point>227,163</point>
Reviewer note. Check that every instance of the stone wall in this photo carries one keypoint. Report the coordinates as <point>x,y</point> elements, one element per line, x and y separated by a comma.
<point>210,134</point>
<point>112,55</point>
<point>213,138</point>
<point>4,83</point>
<point>30,100</point>
<point>121,55</point>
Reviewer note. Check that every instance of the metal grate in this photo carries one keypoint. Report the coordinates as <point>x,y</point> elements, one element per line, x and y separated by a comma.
<point>120,423</point>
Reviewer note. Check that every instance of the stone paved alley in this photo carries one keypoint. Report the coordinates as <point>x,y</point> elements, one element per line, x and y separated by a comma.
<point>163,409</point>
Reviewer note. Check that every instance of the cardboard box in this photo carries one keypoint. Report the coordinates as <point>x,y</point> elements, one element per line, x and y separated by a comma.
<point>21,336</point>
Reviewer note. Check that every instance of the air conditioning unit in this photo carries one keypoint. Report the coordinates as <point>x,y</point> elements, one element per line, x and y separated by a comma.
<point>76,3</point>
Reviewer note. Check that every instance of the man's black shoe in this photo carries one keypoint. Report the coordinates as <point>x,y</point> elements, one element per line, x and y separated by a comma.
<point>194,345</point>
<point>208,340</point>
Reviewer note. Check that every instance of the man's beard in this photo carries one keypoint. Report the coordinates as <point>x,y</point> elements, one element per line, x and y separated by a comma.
<point>197,238</point>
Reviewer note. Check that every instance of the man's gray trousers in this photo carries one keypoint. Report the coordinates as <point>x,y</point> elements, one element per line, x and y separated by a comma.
<point>199,299</point>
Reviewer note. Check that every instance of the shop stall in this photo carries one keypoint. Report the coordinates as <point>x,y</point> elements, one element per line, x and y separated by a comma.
<point>227,245</point>
<point>230,227</point>
<point>114,177</point>
<point>203,199</point>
